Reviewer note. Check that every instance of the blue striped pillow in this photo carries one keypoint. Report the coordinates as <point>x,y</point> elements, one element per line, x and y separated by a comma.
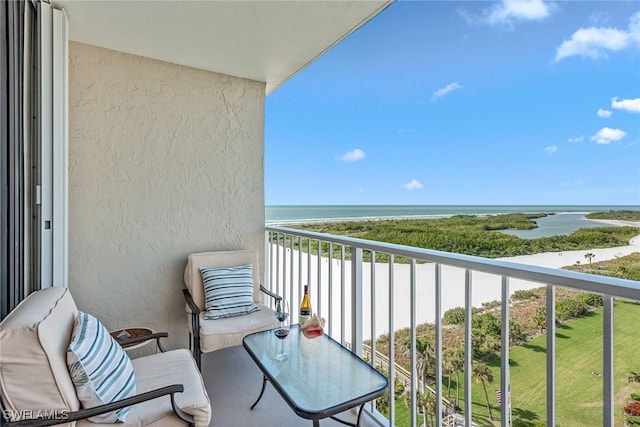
<point>100,369</point>
<point>228,291</point>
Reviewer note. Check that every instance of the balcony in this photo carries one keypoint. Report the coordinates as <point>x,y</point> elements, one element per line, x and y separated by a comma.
<point>414,286</point>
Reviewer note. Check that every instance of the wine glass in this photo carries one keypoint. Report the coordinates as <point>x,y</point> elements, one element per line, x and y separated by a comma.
<point>281,332</point>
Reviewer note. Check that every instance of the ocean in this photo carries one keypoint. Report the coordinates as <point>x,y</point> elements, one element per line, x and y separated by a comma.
<point>568,218</point>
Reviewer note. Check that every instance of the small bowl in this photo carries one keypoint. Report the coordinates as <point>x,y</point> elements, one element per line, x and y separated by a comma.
<point>312,332</point>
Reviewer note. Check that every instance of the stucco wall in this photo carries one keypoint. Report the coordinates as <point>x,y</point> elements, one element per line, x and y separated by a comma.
<point>164,161</point>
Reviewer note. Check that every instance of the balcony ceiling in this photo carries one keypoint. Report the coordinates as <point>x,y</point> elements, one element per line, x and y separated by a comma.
<point>261,40</point>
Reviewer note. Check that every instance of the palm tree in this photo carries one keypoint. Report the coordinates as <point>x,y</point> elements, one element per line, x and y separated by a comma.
<point>457,362</point>
<point>426,405</point>
<point>423,359</point>
<point>590,256</point>
<point>448,366</point>
<point>483,374</point>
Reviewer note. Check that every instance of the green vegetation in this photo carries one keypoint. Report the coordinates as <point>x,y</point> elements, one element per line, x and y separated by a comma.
<point>454,316</point>
<point>578,357</point>
<point>616,215</point>
<point>578,372</point>
<point>523,295</point>
<point>578,369</point>
<point>627,267</point>
<point>471,235</point>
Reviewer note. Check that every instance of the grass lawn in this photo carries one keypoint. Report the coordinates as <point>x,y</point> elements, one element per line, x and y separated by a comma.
<point>578,389</point>
<point>578,363</point>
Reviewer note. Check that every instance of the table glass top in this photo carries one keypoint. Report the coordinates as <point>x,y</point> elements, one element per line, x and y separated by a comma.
<point>318,374</point>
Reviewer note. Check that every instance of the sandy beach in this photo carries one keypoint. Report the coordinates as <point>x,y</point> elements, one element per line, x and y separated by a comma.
<point>485,287</point>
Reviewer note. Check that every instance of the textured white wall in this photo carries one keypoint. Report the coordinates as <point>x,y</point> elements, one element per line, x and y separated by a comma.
<point>164,160</point>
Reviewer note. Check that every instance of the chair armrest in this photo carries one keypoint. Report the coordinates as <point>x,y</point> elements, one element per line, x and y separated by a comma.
<point>271,294</point>
<point>102,409</point>
<point>190,302</point>
<point>137,340</point>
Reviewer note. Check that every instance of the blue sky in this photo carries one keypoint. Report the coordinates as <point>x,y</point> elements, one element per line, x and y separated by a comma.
<point>445,102</point>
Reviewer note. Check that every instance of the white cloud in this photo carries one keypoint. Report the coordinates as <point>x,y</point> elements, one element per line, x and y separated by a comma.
<point>508,11</point>
<point>445,90</point>
<point>576,139</point>
<point>631,105</point>
<point>353,156</point>
<point>595,42</point>
<point>551,149</point>
<point>571,183</point>
<point>413,185</point>
<point>608,135</point>
<point>604,113</point>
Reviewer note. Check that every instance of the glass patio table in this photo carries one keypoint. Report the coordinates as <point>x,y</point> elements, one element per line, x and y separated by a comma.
<point>319,377</point>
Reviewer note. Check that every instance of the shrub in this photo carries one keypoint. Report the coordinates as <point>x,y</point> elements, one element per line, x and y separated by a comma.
<point>594,300</point>
<point>517,333</point>
<point>635,396</point>
<point>570,308</point>
<point>632,421</point>
<point>523,295</point>
<point>486,324</point>
<point>633,409</point>
<point>454,316</point>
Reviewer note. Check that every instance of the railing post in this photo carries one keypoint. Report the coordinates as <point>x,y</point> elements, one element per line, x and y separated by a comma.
<point>438,315</point>
<point>356,300</point>
<point>551,355</point>
<point>268,264</point>
<point>468,349</point>
<point>505,371</point>
<point>413,324</point>
<point>607,359</point>
<point>392,340</point>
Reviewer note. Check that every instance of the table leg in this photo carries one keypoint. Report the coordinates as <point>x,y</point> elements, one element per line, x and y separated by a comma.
<point>359,415</point>
<point>264,384</point>
<point>348,423</point>
<point>316,423</point>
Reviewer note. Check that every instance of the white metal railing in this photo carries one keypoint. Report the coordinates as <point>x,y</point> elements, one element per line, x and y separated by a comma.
<point>280,253</point>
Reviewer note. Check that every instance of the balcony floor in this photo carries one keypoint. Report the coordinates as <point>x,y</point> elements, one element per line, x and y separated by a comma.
<point>233,383</point>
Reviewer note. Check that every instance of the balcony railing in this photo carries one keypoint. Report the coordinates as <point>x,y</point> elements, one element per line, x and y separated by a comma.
<point>353,300</point>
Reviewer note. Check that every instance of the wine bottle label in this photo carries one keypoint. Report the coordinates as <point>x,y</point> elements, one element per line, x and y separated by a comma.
<point>303,318</point>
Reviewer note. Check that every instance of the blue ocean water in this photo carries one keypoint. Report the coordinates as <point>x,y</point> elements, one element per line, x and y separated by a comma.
<point>568,218</point>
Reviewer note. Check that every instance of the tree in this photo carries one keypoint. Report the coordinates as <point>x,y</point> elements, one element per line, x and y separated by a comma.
<point>457,362</point>
<point>449,368</point>
<point>426,405</point>
<point>424,358</point>
<point>590,256</point>
<point>484,375</point>
<point>517,334</point>
<point>382,403</point>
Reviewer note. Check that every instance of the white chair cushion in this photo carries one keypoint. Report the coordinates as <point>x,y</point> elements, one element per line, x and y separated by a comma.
<point>193,277</point>
<point>33,347</point>
<point>100,369</point>
<point>228,291</point>
<point>163,369</point>
<point>227,332</point>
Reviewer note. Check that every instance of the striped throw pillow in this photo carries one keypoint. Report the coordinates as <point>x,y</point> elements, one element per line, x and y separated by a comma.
<point>228,291</point>
<point>100,369</point>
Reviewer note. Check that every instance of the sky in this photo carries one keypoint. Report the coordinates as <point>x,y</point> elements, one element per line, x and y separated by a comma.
<point>445,102</point>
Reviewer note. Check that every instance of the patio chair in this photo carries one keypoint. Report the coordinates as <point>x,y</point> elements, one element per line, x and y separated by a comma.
<point>36,386</point>
<point>208,335</point>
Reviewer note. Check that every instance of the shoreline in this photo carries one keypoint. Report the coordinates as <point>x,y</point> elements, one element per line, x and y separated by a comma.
<point>485,287</point>
<point>369,211</point>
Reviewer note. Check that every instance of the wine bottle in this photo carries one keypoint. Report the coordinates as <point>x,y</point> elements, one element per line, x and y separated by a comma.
<point>305,307</point>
